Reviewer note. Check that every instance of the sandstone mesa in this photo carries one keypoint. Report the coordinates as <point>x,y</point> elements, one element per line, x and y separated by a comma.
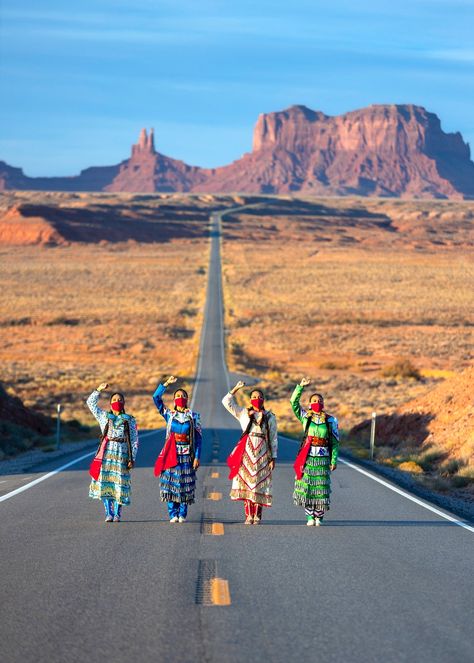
<point>381,150</point>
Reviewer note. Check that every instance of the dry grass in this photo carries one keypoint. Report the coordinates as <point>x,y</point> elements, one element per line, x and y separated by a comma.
<point>299,301</point>
<point>73,317</point>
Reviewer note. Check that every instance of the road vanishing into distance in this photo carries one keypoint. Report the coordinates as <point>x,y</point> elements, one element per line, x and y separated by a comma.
<point>386,578</point>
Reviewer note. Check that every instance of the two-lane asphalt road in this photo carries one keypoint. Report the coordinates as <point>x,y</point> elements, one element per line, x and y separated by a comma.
<point>385,579</point>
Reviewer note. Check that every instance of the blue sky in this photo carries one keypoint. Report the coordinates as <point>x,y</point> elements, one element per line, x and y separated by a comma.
<point>78,82</point>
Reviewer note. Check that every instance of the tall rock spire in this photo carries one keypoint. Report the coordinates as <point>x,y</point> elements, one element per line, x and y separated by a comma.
<point>151,141</point>
<point>146,143</point>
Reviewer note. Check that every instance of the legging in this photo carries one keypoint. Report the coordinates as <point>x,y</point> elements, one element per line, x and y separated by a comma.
<point>112,508</point>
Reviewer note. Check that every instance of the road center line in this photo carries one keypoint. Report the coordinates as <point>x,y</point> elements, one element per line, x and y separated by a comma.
<point>217,529</point>
<point>219,591</point>
<point>214,496</point>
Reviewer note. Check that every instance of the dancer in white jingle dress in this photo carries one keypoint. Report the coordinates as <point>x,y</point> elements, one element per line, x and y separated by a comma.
<point>253,459</point>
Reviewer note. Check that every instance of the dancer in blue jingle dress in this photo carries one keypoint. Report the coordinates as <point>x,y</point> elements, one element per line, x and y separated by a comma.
<point>179,458</point>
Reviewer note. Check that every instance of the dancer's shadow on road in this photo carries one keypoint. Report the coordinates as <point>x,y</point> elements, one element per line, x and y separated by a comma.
<point>367,523</point>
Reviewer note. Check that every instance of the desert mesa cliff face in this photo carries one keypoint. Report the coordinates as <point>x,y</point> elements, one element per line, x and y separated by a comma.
<point>382,150</point>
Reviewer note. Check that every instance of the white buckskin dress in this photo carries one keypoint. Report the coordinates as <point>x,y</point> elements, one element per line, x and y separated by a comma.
<point>253,481</point>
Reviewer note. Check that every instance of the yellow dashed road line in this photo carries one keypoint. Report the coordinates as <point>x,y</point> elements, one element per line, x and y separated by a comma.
<point>217,529</point>
<point>214,496</point>
<point>214,475</point>
<point>219,591</point>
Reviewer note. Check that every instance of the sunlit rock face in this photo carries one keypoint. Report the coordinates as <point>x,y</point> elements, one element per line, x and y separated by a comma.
<point>382,150</point>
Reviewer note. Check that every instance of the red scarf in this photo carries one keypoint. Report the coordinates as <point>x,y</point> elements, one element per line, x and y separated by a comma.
<point>94,469</point>
<point>234,460</point>
<point>301,459</point>
<point>168,457</point>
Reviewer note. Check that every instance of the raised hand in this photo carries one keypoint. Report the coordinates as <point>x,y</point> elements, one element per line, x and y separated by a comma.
<point>240,384</point>
<point>170,380</point>
<point>102,386</point>
<point>305,382</point>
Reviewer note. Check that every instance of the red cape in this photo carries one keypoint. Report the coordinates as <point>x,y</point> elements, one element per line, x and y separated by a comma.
<point>94,468</point>
<point>234,460</point>
<point>301,459</point>
<point>168,457</point>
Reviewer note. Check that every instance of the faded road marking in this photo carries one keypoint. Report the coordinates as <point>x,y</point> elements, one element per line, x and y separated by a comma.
<point>220,593</point>
<point>217,529</point>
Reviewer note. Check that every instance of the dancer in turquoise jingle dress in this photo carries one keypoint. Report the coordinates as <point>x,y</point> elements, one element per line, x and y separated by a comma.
<point>179,458</point>
<point>115,457</point>
<point>317,455</point>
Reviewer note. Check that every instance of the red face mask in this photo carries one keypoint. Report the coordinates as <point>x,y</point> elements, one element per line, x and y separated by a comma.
<point>117,406</point>
<point>317,407</point>
<point>257,403</point>
<point>181,401</point>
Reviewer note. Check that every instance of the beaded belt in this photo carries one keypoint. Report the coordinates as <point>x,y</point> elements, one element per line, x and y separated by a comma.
<point>181,437</point>
<point>116,439</point>
<point>257,434</point>
<point>317,441</point>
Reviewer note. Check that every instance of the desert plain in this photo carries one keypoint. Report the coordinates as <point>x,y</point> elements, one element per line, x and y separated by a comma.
<point>370,298</point>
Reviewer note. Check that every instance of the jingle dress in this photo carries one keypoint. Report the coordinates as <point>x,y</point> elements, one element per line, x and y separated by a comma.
<point>319,450</point>
<point>253,482</point>
<point>113,484</point>
<point>183,430</point>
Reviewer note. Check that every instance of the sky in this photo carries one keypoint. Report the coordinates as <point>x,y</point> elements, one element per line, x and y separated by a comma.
<point>79,80</point>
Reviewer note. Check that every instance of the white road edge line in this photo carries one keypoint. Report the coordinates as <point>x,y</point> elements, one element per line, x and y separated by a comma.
<point>45,476</point>
<point>395,489</point>
<point>59,469</point>
<point>408,496</point>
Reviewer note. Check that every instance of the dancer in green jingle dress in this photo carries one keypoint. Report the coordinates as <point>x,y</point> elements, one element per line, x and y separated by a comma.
<point>317,455</point>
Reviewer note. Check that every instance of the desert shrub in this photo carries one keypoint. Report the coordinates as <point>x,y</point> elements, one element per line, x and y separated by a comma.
<point>459,481</point>
<point>237,349</point>
<point>403,368</point>
<point>63,320</point>
<point>188,311</point>
<point>431,459</point>
<point>467,471</point>
<point>384,453</point>
<point>15,322</point>
<point>180,332</point>
<point>410,466</point>
<point>333,365</point>
<point>450,467</point>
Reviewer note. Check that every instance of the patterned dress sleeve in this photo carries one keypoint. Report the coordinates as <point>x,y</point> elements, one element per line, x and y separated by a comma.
<point>158,400</point>
<point>231,406</point>
<point>335,440</point>
<point>197,435</point>
<point>134,437</point>
<point>295,403</point>
<point>272,425</point>
<point>93,405</point>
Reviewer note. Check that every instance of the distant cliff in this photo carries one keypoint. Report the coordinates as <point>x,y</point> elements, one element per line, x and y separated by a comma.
<point>382,150</point>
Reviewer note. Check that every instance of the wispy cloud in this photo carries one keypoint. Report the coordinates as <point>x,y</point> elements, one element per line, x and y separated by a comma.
<point>464,55</point>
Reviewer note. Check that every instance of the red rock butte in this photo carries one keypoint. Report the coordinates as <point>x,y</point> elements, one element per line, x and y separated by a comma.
<point>382,150</point>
